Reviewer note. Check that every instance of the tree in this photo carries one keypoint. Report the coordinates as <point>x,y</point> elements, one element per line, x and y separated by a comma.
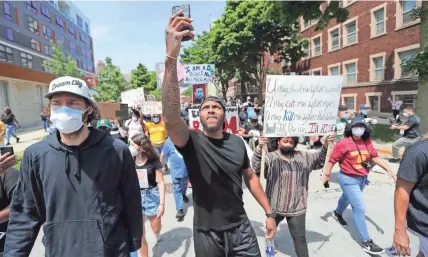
<point>156,93</point>
<point>61,65</point>
<point>111,83</point>
<point>187,92</point>
<point>141,77</point>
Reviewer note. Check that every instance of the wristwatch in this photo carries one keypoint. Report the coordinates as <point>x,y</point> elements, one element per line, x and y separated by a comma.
<point>271,215</point>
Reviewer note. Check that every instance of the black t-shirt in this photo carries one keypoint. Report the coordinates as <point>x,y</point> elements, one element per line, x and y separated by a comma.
<point>413,123</point>
<point>7,118</point>
<point>414,168</point>
<point>116,134</point>
<point>8,181</point>
<point>147,174</point>
<point>215,168</point>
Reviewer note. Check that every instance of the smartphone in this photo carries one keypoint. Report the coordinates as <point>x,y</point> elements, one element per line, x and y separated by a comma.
<point>186,13</point>
<point>391,252</point>
<point>6,149</point>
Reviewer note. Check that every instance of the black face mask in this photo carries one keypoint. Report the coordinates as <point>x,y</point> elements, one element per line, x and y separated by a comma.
<point>286,149</point>
<point>254,120</point>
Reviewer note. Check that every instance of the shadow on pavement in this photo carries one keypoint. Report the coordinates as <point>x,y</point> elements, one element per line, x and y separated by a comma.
<point>172,240</point>
<point>284,242</point>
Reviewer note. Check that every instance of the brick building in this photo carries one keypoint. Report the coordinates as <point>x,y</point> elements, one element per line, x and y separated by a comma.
<point>367,50</point>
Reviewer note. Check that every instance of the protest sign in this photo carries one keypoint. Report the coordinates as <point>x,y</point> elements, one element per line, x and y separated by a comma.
<point>199,92</point>
<point>113,110</point>
<point>152,108</point>
<point>133,97</point>
<point>160,72</point>
<point>301,105</point>
<point>199,73</point>
<point>231,123</point>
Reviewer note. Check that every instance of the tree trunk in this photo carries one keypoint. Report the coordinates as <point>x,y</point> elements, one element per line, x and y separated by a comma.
<point>421,105</point>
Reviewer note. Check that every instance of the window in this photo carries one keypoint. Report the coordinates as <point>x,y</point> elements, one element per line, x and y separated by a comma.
<point>378,68</point>
<point>48,50</point>
<point>79,21</point>
<point>334,38</point>
<point>4,91</point>
<point>86,27</point>
<point>407,98</point>
<point>349,101</point>
<point>33,25</point>
<point>334,71</point>
<point>72,47</point>
<point>35,45</point>
<point>60,38</point>
<point>350,71</point>
<point>82,38</point>
<point>380,21</point>
<point>47,32</point>
<point>27,60</point>
<point>404,58</point>
<point>408,8</point>
<point>83,53</point>
<point>317,72</point>
<point>305,50</point>
<point>31,6</point>
<point>45,12</point>
<point>59,22</point>
<point>373,100</point>
<point>6,54</point>
<point>6,10</point>
<point>71,30</point>
<point>317,45</point>
<point>347,3</point>
<point>351,31</point>
<point>9,33</point>
<point>307,24</point>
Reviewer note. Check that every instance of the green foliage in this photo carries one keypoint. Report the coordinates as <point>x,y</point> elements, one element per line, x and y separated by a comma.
<point>156,93</point>
<point>187,92</point>
<point>141,77</point>
<point>61,65</point>
<point>111,83</point>
<point>419,63</point>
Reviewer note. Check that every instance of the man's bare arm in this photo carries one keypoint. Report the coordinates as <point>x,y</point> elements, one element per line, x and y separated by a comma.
<point>175,125</point>
<point>4,214</point>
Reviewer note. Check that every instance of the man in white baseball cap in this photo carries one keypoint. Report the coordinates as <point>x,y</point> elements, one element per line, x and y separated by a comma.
<point>80,184</point>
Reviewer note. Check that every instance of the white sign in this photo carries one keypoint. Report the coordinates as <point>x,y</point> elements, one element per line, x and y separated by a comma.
<point>301,105</point>
<point>232,120</point>
<point>152,108</point>
<point>199,73</point>
<point>134,97</point>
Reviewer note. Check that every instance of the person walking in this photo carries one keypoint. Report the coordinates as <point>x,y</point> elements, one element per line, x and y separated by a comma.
<point>216,162</point>
<point>410,133</point>
<point>9,119</point>
<point>152,186</point>
<point>179,176</point>
<point>117,130</point>
<point>80,184</point>
<point>45,118</point>
<point>287,173</point>
<point>355,153</point>
<point>157,132</point>
<point>396,107</point>
<point>411,198</point>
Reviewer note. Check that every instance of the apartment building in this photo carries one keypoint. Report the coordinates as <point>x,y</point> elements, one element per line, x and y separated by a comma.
<point>26,29</point>
<point>368,50</point>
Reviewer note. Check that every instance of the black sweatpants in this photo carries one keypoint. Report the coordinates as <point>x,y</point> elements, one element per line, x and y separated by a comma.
<point>297,227</point>
<point>240,241</point>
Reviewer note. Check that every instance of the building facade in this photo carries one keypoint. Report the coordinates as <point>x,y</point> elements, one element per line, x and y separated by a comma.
<point>368,51</point>
<point>26,29</point>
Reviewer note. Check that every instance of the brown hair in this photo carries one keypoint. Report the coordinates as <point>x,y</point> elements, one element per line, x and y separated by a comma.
<point>144,142</point>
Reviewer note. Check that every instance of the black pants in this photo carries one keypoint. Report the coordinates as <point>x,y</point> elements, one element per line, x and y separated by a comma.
<point>395,113</point>
<point>297,227</point>
<point>240,241</point>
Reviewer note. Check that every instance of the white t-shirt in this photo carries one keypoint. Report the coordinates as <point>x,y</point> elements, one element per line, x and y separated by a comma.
<point>134,128</point>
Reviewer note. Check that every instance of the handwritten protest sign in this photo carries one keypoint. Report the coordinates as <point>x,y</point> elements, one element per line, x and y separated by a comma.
<point>231,125</point>
<point>134,97</point>
<point>199,73</point>
<point>301,105</point>
<point>160,72</point>
<point>152,108</point>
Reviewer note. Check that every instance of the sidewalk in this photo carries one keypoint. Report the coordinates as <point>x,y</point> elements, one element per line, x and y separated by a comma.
<point>385,148</point>
<point>27,137</point>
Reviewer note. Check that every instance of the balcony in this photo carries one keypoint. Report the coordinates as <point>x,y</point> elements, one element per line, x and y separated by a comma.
<point>64,7</point>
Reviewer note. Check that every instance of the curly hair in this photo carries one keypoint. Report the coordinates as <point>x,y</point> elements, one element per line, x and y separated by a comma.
<point>144,143</point>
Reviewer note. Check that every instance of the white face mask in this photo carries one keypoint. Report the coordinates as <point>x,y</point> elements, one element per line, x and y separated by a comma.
<point>66,119</point>
<point>406,114</point>
<point>134,119</point>
<point>358,131</point>
<point>134,152</point>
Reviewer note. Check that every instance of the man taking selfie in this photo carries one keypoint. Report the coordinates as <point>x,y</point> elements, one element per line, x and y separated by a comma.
<point>216,161</point>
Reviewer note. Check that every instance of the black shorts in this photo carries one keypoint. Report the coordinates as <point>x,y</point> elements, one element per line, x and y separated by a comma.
<point>240,241</point>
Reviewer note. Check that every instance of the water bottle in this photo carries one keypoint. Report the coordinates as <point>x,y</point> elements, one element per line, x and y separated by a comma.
<point>270,247</point>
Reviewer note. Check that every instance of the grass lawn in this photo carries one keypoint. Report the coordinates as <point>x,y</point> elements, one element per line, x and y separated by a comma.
<point>382,133</point>
<point>18,165</point>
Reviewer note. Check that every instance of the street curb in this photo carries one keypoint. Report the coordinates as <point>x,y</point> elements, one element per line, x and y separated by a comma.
<point>387,151</point>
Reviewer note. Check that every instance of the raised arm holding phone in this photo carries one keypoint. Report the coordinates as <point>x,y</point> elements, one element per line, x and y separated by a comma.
<point>216,179</point>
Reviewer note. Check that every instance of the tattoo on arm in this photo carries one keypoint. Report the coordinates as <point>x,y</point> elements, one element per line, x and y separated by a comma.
<point>175,125</point>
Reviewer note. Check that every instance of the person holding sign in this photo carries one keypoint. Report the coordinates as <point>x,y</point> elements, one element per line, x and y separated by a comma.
<point>290,167</point>
<point>355,153</point>
<point>216,161</point>
<point>152,185</point>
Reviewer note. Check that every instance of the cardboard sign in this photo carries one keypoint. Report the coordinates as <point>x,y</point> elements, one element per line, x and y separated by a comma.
<point>199,73</point>
<point>231,125</point>
<point>113,110</point>
<point>160,72</point>
<point>134,97</point>
<point>301,105</point>
<point>199,92</point>
<point>152,108</point>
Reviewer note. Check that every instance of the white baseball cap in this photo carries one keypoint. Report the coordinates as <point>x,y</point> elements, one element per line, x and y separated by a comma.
<point>69,85</point>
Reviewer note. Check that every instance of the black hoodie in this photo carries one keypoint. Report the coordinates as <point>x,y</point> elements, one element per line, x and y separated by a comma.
<point>86,197</point>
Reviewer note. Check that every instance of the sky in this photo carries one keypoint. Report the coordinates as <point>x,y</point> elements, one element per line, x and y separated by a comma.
<point>134,32</point>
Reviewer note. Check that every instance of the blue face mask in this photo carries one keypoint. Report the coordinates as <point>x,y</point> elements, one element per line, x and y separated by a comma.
<point>365,112</point>
<point>345,116</point>
<point>66,119</point>
<point>156,119</point>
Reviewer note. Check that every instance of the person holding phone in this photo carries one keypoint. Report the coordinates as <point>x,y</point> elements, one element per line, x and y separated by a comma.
<point>8,182</point>
<point>216,163</point>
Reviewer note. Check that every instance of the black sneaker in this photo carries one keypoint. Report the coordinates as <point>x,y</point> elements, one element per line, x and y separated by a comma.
<point>339,219</point>
<point>180,214</point>
<point>185,199</point>
<point>8,144</point>
<point>370,247</point>
<point>17,140</point>
<point>394,160</point>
